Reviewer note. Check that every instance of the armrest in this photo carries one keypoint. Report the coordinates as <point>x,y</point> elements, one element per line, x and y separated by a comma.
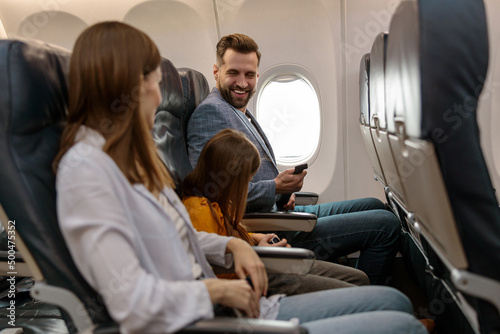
<point>221,325</point>
<point>284,253</point>
<point>21,268</point>
<point>280,260</point>
<point>306,198</point>
<point>239,325</point>
<point>4,256</point>
<point>279,221</point>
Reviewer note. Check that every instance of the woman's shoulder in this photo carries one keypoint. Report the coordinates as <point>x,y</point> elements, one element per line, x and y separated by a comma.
<point>86,158</point>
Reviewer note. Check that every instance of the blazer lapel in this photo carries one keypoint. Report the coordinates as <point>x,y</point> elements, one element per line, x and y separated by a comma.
<point>262,135</point>
<point>254,130</point>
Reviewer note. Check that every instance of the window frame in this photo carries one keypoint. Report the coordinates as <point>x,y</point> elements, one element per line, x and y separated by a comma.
<point>300,72</point>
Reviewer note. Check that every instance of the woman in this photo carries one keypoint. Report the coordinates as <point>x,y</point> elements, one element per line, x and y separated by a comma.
<point>216,203</point>
<point>128,232</point>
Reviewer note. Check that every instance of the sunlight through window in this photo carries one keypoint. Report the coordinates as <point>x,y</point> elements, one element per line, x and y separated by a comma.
<point>288,111</point>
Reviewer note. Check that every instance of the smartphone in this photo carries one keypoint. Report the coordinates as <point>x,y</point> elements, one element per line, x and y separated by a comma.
<point>274,240</point>
<point>299,168</point>
<point>249,280</point>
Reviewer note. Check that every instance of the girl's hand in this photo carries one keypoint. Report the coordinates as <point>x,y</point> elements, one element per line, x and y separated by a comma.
<point>264,241</point>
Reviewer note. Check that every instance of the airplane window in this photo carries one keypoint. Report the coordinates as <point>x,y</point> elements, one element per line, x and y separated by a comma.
<point>288,111</point>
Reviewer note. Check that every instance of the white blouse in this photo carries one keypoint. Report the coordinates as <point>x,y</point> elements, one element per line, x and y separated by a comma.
<point>127,246</point>
<point>183,233</point>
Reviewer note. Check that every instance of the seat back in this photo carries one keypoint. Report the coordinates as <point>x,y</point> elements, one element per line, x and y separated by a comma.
<point>182,91</point>
<point>33,107</point>
<point>378,121</point>
<point>364,119</point>
<point>437,59</point>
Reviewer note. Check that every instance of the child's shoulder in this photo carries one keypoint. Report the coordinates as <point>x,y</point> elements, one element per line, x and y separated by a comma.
<point>194,201</point>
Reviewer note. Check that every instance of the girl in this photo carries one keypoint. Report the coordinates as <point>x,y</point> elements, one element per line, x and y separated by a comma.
<point>216,202</point>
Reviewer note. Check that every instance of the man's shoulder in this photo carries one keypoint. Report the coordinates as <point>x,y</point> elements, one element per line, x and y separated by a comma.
<point>212,106</point>
<point>213,99</point>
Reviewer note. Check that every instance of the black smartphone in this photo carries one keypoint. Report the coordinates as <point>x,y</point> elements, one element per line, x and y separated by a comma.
<point>249,280</point>
<point>299,168</point>
<point>274,240</point>
<point>284,198</point>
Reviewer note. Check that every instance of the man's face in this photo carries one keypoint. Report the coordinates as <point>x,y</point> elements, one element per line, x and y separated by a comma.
<point>236,78</point>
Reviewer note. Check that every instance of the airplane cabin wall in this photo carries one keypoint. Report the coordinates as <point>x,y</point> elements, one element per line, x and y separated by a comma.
<point>326,38</point>
<point>364,20</point>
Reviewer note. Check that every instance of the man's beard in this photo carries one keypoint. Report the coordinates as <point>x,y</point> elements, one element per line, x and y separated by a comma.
<point>225,92</point>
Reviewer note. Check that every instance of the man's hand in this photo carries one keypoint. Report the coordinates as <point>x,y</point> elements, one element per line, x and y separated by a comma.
<point>287,182</point>
<point>247,262</point>
<point>291,203</point>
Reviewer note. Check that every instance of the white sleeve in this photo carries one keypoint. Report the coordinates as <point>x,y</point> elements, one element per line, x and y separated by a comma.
<point>211,244</point>
<point>101,242</point>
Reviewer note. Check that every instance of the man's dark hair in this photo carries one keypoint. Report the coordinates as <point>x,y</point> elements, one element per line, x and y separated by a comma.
<point>239,43</point>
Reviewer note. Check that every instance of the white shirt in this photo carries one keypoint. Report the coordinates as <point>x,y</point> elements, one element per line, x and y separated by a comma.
<point>183,233</point>
<point>127,247</point>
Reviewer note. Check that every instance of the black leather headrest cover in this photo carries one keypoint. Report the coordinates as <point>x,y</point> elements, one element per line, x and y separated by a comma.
<point>33,101</point>
<point>185,89</point>
<point>171,89</point>
<point>364,90</point>
<point>195,88</point>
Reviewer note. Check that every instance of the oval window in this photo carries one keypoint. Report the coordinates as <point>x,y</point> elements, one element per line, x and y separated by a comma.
<point>288,111</point>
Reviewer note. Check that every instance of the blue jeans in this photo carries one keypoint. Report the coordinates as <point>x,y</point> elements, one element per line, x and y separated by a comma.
<point>349,226</point>
<point>366,309</point>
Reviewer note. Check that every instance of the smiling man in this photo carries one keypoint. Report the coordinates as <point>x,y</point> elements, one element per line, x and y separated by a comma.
<point>236,73</point>
<point>342,227</point>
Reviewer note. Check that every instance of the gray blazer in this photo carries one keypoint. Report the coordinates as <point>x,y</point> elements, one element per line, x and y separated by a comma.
<point>215,114</point>
<point>126,245</point>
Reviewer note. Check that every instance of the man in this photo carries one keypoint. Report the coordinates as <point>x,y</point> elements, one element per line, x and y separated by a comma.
<point>342,227</point>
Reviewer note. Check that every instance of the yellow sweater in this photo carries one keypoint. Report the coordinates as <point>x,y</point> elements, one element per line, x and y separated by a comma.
<point>203,220</point>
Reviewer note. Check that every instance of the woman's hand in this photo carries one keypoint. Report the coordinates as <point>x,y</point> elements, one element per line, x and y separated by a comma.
<point>247,262</point>
<point>234,293</point>
<point>264,241</point>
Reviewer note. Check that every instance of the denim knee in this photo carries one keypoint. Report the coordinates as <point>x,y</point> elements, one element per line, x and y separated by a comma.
<point>399,301</point>
<point>387,221</point>
<point>374,203</point>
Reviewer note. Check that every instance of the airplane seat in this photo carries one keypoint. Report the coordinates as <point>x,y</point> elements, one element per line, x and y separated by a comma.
<point>433,83</point>
<point>195,88</point>
<point>366,133</point>
<point>167,129</point>
<point>33,104</point>
<point>33,108</point>
<point>364,118</point>
<point>380,125</point>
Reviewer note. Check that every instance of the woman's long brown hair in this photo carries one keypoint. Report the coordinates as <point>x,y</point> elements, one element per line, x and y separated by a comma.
<point>226,164</point>
<point>108,65</point>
